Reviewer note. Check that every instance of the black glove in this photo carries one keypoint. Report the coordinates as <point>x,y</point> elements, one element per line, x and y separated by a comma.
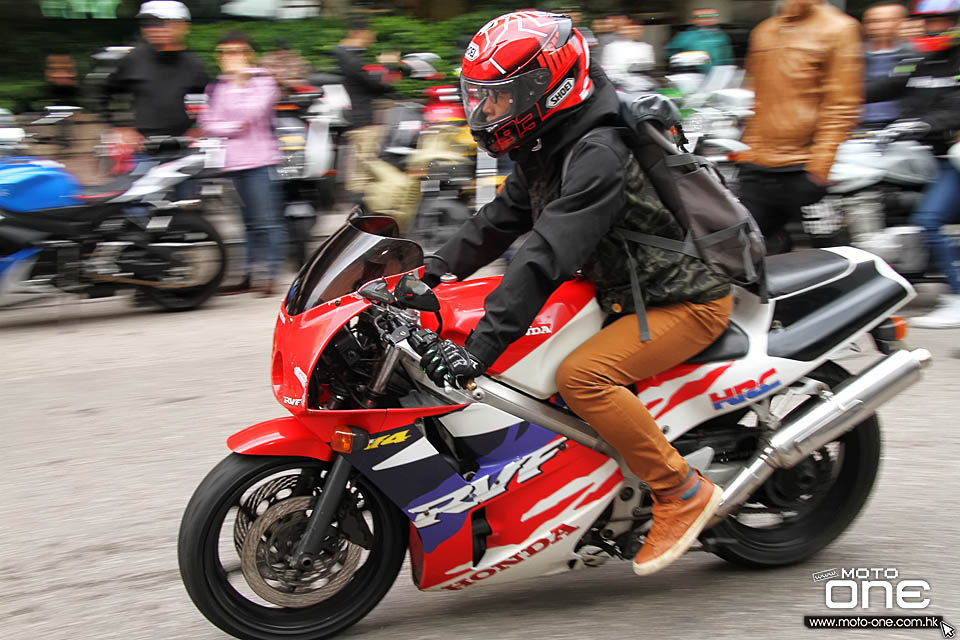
<point>447,362</point>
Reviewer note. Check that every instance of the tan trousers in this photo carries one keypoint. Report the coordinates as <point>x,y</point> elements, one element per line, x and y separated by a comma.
<point>592,381</point>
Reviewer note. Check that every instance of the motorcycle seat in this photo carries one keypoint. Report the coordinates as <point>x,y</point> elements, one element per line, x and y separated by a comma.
<point>731,345</point>
<point>99,193</point>
<point>789,273</point>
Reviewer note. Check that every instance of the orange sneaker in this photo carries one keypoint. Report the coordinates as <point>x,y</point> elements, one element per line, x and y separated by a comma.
<point>679,515</point>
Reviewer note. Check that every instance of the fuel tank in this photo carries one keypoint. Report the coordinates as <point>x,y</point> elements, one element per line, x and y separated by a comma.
<point>570,316</point>
<point>32,184</point>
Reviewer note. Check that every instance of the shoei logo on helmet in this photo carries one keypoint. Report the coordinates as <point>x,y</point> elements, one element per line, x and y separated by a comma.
<point>560,94</point>
<point>472,52</point>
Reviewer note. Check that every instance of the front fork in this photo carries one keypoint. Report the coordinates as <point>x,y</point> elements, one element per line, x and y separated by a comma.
<point>324,511</point>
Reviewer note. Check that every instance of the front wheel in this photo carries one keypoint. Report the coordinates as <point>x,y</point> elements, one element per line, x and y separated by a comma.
<point>799,511</point>
<point>245,518</point>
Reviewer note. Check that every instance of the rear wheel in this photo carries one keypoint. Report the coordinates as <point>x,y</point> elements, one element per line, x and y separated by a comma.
<point>240,526</point>
<point>202,267</point>
<point>799,511</point>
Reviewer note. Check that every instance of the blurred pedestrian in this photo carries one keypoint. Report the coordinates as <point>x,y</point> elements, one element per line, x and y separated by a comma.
<point>806,63</point>
<point>61,78</point>
<point>883,51</point>
<point>287,67</point>
<point>362,87</point>
<point>628,59</point>
<point>704,36</point>
<point>929,92</point>
<point>240,109</point>
<point>158,73</point>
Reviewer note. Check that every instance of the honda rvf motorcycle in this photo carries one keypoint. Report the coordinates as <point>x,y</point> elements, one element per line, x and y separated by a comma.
<point>302,529</point>
<point>59,237</point>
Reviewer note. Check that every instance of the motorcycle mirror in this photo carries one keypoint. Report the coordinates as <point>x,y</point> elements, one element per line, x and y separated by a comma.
<point>413,293</point>
<point>377,291</point>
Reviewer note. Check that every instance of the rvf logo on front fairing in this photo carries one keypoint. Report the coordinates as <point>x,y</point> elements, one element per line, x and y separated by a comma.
<point>745,390</point>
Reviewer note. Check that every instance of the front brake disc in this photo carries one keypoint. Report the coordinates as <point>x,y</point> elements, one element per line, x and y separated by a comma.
<point>270,542</point>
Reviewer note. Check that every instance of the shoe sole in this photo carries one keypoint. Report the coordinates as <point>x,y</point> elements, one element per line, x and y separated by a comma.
<point>686,540</point>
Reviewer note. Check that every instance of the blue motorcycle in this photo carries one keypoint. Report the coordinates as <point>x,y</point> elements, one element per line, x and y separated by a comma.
<point>57,236</point>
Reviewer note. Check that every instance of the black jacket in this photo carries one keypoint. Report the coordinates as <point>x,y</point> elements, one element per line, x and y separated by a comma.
<point>361,86</point>
<point>158,82</point>
<point>570,227</point>
<point>929,90</point>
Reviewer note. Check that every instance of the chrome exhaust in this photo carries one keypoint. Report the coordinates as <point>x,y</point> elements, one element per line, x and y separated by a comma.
<point>823,420</point>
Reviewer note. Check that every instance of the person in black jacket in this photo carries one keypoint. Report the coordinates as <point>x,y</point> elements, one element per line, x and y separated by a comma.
<point>928,85</point>
<point>158,73</point>
<point>527,90</point>
<point>361,85</point>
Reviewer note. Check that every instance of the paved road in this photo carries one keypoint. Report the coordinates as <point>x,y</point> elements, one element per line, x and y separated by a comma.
<point>111,415</point>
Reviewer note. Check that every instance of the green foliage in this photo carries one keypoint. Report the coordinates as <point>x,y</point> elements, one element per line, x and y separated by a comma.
<point>26,45</point>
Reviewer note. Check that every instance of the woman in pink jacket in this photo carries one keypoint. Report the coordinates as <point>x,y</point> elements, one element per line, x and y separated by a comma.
<point>240,109</point>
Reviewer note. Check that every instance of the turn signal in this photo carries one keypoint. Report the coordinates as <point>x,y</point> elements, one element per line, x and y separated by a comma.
<point>349,439</point>
<point>899,327</point>
<point>342,441</point>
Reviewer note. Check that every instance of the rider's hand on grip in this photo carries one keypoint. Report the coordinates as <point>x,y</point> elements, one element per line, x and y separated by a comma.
<point>446,362</point>
<point>421,340</point>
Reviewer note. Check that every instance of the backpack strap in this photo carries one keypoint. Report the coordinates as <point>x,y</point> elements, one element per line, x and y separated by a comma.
<point>685,246</point>
<point>636,291</point>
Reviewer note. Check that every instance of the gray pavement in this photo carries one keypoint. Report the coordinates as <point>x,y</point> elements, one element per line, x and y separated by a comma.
<point>111,415</point>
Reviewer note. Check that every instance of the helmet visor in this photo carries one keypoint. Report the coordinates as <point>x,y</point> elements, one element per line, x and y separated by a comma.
<point>490,103</point>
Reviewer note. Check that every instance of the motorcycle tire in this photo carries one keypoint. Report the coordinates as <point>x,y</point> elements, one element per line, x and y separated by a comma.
<point>192,297</point>
<point>803,536</point>
<point>202,545</point>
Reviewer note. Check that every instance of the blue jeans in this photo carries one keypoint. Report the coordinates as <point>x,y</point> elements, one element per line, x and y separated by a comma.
<point>266,233</point>
<point>941,205</point>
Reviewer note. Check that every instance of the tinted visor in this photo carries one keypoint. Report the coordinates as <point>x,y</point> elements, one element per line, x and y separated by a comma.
<point>490,103</point>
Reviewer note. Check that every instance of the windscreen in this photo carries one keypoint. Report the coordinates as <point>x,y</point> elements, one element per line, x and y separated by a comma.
<point>364,249</point>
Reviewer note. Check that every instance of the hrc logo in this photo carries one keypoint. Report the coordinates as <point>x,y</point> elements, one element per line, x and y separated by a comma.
<point>745,391</point>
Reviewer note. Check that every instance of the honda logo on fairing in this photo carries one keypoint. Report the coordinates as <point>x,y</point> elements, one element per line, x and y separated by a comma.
<point>539,331</point>
<point>486,487</point>
<point>560,94</point>
<point>559,533</point>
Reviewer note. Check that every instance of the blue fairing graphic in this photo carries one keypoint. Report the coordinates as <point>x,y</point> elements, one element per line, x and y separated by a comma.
<point>518,440</point>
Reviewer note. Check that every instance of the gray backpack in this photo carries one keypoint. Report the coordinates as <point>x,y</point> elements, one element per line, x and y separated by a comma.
<point>719,229</point>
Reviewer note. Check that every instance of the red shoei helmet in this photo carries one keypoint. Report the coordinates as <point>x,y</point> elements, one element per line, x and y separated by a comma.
<point>936,9</point>
<point>520,70</point>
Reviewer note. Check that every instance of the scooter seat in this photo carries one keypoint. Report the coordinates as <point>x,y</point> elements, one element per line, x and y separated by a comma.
<point>789,273</point>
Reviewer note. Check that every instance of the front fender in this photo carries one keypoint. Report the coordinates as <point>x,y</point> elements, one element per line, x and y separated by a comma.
<point>280,437</point>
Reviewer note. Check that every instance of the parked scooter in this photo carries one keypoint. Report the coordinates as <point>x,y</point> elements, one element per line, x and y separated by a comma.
<point>57,236</point>
<point>309,123</point>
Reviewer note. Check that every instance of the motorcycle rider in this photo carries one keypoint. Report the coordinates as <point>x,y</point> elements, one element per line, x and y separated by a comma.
<point>929,90</point>
<point>528,91</point>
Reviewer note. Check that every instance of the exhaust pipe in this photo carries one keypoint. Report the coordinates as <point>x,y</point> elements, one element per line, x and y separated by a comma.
<point>824,420</point>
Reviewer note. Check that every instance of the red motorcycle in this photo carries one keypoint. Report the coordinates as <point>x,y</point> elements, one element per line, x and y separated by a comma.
<point>302,529</point>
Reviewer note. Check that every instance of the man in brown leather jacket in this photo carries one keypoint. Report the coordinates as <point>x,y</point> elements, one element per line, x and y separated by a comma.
<point>806,63</point>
